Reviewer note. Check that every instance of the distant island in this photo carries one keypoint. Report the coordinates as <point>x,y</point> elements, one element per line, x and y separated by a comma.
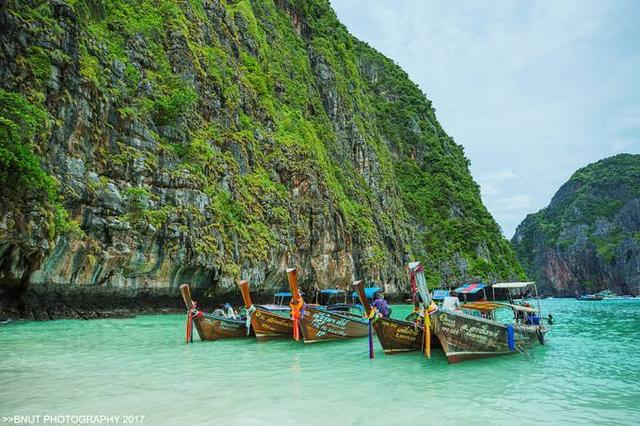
<point>588,238</point>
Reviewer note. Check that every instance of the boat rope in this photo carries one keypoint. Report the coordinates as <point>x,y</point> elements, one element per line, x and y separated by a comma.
<point>527,354</point>
<point>247,322</point>
<point>540,335</point>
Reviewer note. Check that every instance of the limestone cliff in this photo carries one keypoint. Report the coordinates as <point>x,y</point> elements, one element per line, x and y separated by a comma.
<point>150,143</point>
<point>588,238</point>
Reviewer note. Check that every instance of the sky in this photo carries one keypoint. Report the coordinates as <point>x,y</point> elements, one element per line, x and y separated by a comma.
<point>533,90</point>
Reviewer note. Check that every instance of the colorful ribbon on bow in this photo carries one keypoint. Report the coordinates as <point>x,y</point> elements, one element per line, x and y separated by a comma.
<point>427,335</point>
<point>296,306</point>
<point>192,314</point>
<point>296,325</point>
<point>427,328</point>
<point>247,322</point>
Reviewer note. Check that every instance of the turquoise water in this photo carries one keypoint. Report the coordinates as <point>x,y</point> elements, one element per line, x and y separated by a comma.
<point>588,373</point>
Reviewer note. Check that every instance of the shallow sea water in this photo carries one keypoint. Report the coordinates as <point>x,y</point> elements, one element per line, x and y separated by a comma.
<point>587,373</point>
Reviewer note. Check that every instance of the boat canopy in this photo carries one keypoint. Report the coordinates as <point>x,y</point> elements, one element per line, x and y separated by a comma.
<point>513,285</point>
<point>284,294</point>
<point>369,292</point>
<point>482,306</point>
<point>332,291</point>
<point>521,308</point>
<point>470,288</point>
<point>439,294</point>
<point>276,308</point>
<point>490,306</point>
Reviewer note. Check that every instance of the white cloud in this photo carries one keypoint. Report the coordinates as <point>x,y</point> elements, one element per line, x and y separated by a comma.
<point>491,183</point>
<point>532,89</point>
<point>516,202</point>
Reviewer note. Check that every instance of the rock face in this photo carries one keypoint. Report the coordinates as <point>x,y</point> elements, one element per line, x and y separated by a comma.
<point>154,143</point>
<point>588,238</point>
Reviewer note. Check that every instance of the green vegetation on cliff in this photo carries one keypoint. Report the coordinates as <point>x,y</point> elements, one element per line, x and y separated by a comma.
<point>20,165</point>
<point>19,123</point>
<point>236,105</point>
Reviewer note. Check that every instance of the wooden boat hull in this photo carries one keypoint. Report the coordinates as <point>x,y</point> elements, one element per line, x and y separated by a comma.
<point>464,337</point>
<point>215,328</point>
<point>398,336</point>
<point>211,327</point>
<point>321,325</point>
<point>267,325</point>
<point>394,335</point>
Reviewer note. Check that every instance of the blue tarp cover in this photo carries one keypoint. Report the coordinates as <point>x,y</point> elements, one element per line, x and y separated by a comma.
<point>369,292</point>
<point>440,294</point>
<point>470,288</point>
<point>331,291</point>
<point>284,294</point>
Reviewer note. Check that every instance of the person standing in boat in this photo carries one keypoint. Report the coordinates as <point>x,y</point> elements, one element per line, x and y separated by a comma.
<point>381,305</point>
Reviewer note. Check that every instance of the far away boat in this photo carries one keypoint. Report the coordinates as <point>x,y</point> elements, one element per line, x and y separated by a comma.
<point>211,327</point>
<point>395,335</point>
<point>267,323</point>
<point>607,294</point>
<point>474,331</point>
<point>592,297</point>
<point>318,323</point>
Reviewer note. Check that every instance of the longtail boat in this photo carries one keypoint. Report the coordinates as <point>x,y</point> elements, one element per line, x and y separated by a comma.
<point>266,324</point>
<point>592,297</point>
<point>394,335</point>
<point>473,331</point>
<point>317,323</point>
<point>211,327</point>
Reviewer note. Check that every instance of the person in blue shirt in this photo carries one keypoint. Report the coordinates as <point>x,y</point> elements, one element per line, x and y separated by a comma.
<point>381,305</point>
